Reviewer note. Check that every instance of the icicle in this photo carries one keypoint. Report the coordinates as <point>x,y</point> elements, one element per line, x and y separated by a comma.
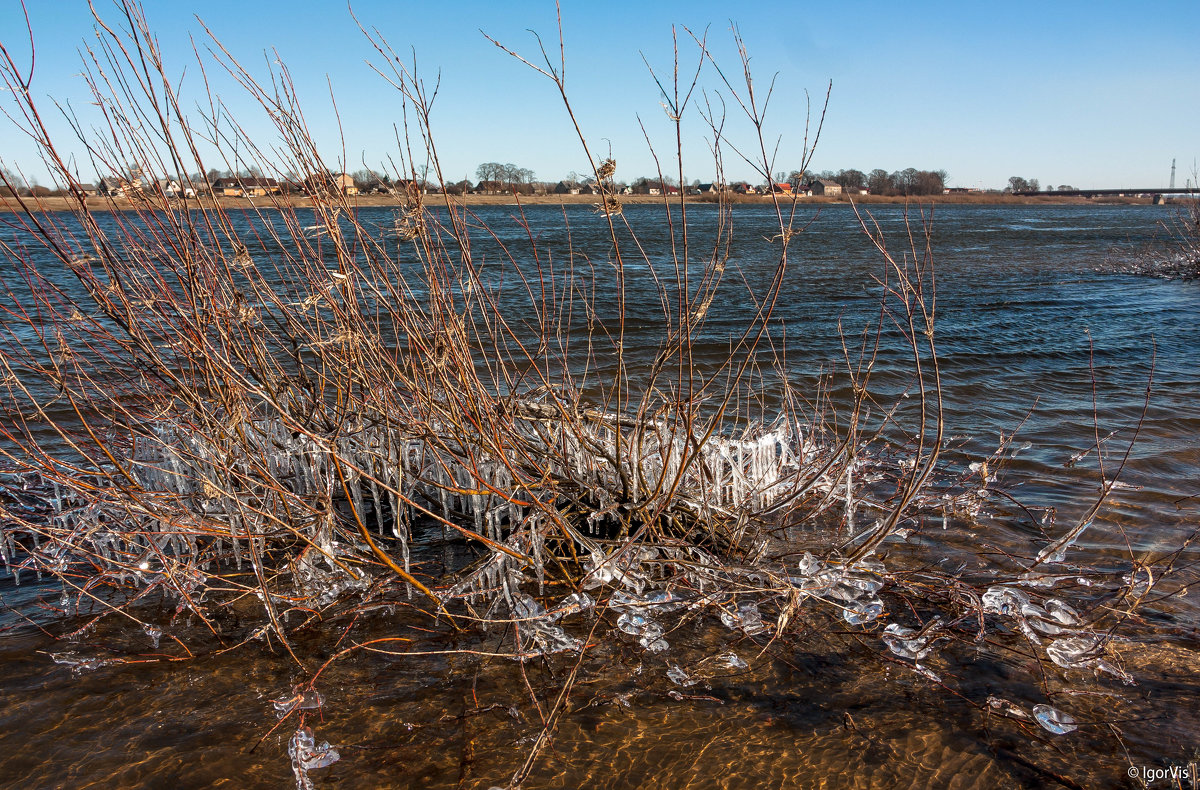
<point>1056,552</point>
<point>376,504</point>
<point>354,483</point>
<point>850,498</point>
<point>535,540</point>
<point>443,497</point>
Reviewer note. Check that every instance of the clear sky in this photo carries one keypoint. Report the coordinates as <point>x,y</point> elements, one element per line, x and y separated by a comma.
<point>1091,94</point>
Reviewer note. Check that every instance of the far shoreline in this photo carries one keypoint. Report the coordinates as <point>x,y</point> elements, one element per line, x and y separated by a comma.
<point>62,203</point>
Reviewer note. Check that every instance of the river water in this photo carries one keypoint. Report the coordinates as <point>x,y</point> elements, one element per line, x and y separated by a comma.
<point>1038,333</point>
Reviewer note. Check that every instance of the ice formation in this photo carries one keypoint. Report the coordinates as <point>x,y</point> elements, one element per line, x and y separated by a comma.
<point>308,755</point>
<point>300,699</point>
<point>1054,720</point>
<point>212,499</point>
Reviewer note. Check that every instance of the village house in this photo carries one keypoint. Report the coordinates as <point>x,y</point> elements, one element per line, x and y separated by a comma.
<point>329,184</point>
<point>825,187</point>
<point>489,188</point>
<point>376,186</point>
<point>112,186</point>
<point>171,188</point>
<point>655,188</point>
<point>404,186</point>
<point>245,186</point>
<point>566,188</point>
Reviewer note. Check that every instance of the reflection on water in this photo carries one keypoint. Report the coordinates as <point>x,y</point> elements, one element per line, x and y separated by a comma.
<point>1030,321</point>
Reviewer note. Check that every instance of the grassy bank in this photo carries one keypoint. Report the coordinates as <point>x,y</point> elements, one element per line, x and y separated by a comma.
<point>366,201</point>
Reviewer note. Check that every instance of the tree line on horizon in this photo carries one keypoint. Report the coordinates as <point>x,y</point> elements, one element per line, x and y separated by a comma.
<point>496,177</point>
<point>908,182</point>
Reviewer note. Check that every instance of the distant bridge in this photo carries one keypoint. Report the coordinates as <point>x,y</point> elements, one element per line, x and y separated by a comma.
<point>1120,192</point>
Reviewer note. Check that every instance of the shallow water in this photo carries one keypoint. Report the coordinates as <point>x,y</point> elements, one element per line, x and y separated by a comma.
<point>1030,313</point>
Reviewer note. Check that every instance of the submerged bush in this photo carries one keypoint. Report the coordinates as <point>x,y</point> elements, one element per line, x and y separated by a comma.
<point>262,420</point>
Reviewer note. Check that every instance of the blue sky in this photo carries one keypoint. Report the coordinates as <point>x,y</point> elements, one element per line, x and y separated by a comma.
<point>1091,94</point>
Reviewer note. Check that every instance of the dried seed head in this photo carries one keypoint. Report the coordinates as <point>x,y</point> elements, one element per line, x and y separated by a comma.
<point>408,225</point>
<point>245,314</point>
<point>610,207</point>
<point>241,257</point>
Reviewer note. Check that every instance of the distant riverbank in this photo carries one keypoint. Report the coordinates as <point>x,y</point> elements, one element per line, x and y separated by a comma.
<point>300,201</point>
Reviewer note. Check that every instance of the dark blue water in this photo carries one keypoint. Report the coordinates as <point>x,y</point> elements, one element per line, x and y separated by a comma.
<point>1036,334</point>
